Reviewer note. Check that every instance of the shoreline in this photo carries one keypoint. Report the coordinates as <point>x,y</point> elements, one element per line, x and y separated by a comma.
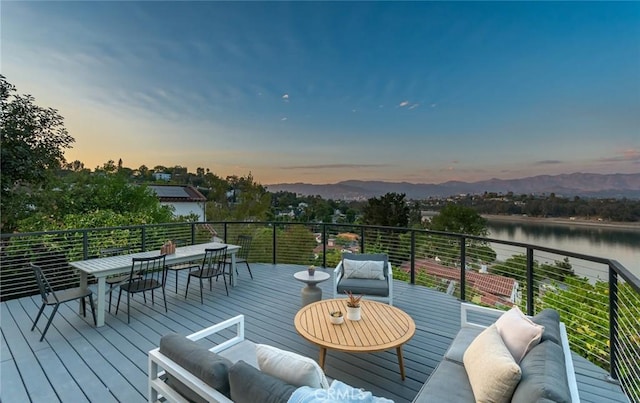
<point>563,221</point>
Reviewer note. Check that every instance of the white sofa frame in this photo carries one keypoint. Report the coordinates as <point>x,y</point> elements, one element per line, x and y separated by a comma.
<point>337,276</point>
<point>465,321</point>
<point>159,364</point>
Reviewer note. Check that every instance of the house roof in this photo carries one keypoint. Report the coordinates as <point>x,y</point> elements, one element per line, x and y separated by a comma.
<point>177,193</point>
<point>486,283</point>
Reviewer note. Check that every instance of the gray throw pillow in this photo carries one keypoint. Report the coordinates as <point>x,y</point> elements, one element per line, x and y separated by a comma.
<point>210,367</point>
<point>544,376</point>
<point>249,385</point>
<point>550,319</point>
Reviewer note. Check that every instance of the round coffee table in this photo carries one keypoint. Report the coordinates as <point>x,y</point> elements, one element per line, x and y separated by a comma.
<point>382,327</point>
<point>311,293</point>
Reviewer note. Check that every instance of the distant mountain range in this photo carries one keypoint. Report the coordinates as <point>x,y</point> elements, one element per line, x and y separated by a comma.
<point>566,185</point>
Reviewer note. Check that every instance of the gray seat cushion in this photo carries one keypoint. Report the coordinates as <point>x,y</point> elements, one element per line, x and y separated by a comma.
<point>463,339</point>
<point>550,319</point>
<point>447,383</point>
<point>249,385</point>
<point>364,286</point>
<point>207,366</point>
<point>544,376</point>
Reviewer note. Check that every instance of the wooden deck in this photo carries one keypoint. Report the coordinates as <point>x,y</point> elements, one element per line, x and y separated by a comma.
<point>78,362</point>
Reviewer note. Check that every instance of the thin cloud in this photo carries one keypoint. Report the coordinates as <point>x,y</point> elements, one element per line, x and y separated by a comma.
<point>403,104</point>
<point>414,106</point>
<point>336,166</point>
<point>548,162</point>
<point>285,97</point>
<point>630,155</point>
<point>284,118</point>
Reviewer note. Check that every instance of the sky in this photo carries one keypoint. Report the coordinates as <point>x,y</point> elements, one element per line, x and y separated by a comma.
<point>320,92</point>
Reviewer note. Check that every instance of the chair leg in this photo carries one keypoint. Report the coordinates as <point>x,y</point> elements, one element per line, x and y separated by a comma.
<point>225,283</point>
<point>153,301</point>
<point>186,291</point>
<point>118,303</point>
<point>176,281</point>
<point>38,316</point>
<point>164,297</point>
<point>110,295</point>
<point>249,268</point>
<point>93,310</point>
<point>129,308</point>
<point>210,284</point>
<point>55,309</point>
<point>84,307</point>
<point>201,286</point>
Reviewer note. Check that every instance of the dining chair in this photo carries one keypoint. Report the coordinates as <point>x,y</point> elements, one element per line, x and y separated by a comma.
<point>182,266</point>
<point>213,265</point>
<point>147,274</point>
<point>114,281</point>
<point>242,256</point>
<point>55,298</point>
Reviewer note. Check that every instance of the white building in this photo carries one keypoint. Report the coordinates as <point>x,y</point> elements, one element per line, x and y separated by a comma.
<point>184,199</point>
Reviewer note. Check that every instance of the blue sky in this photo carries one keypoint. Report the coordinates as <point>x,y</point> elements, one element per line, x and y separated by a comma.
<point>319,92</point>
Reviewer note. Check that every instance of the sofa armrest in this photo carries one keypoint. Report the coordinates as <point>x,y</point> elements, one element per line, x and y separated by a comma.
<point>568,363</point>
<point>390,282</point>
<point>490,314</point>
<point>159,364</point>
<point>337,276</point>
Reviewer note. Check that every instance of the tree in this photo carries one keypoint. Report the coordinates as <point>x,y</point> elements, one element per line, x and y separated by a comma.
<point>459,219</point>
<point>390,210</point>
<point>33,142</point>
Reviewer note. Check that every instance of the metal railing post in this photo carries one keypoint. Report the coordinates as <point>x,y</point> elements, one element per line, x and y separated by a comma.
<point>143,241</point>
<point>225,232</point>
<point>413,257</point>
<point>530,281</point>
<point>324,245</point>
<point>361,239</point>
<point>85,245</point>
<point>193,233</point>
<point>463,269</point>
<point>274,244</point>
<point>613,323</point>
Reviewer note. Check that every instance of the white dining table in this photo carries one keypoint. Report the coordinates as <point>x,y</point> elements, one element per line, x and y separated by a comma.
<point>103,267</point>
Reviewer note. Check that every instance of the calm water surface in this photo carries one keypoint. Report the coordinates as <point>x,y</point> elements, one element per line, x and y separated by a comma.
<point>622,245</point>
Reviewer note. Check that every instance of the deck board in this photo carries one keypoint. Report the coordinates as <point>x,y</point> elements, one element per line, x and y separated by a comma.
<point>78,362</point>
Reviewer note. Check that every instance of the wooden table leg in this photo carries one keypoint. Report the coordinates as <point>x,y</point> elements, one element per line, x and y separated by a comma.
<point>400,361</point>
<point>323,355</point>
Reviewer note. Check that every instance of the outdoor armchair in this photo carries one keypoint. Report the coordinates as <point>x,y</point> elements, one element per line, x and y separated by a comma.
<point>366,274</point>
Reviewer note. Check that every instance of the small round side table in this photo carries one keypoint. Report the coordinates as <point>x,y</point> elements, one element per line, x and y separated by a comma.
<point>311,293</point>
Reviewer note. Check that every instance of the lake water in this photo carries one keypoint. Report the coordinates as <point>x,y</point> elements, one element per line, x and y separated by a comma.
<point>622,245</point>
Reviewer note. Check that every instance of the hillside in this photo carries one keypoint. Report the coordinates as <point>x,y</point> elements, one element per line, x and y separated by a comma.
<point>566,185</point>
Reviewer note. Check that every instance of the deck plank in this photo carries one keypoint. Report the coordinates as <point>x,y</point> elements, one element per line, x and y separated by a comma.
<point>110,363</point>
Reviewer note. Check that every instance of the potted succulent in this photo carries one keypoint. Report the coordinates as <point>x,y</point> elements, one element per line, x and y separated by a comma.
<point>353,306</point>
<point>336,317</point>
<point>311,270</point>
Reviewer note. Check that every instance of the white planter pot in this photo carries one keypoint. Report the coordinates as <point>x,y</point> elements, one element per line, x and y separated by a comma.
<point>353,313</point>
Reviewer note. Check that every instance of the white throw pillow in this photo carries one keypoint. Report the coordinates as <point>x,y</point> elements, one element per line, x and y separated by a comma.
<point>371,269</point>
<point>492,371</point>
<point>518,332</point>
<point>290,367</point>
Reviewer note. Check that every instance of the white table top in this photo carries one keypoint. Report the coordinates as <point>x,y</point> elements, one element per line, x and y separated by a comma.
<point>317,277</point>
<point>105,266</point>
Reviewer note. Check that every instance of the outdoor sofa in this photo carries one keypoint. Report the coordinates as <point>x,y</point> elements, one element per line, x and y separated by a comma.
<point>181,370</point>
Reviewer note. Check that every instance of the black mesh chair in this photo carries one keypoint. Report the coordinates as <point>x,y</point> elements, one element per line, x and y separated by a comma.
<point>242,256</point>
<point>114,281</point>
<point>55,298</point>
<point>181,266</point>
<point>147,274</point>
<point>213,265</point>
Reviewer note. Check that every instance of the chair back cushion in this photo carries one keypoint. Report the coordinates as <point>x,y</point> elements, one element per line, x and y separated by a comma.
<point>365,265</point>
<point>290,367</point>
<point>210,367</point>
<point>248,385</point>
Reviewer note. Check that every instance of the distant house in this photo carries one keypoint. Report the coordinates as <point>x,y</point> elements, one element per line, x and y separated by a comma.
<point>492,289</point>
<point>161,176</point>
<point>184,199</point>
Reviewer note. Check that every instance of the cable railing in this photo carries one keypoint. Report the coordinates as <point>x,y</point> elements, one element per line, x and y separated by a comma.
<point>598,299</point>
